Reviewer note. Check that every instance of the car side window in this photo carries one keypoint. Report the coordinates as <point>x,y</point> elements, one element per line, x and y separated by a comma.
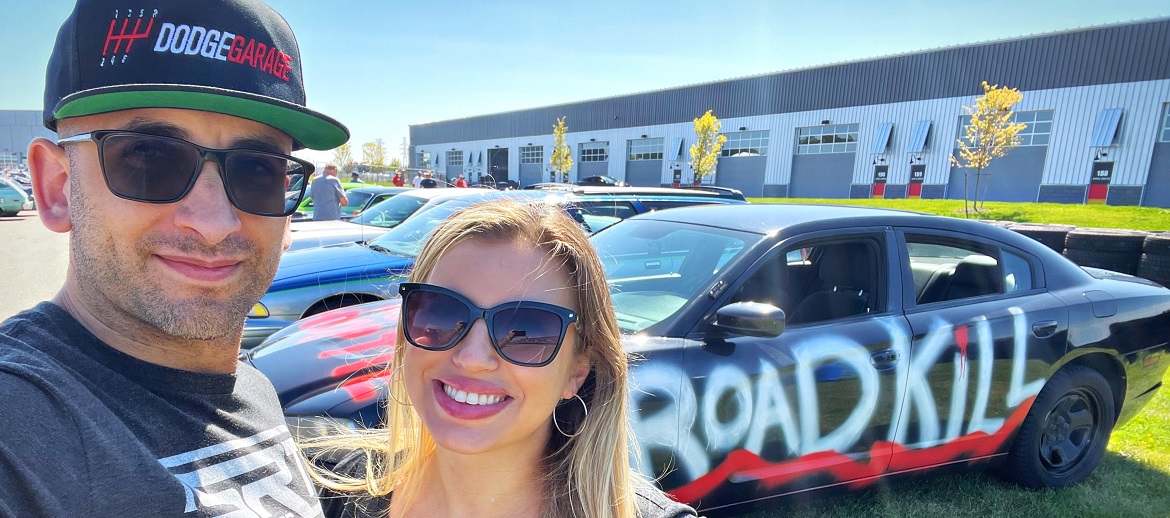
<point>7,191</point>
<point>1017,273</point>
<point>653,205</point>
<point>611,209</point>
<point>814,282</point>
<point>946,269</point>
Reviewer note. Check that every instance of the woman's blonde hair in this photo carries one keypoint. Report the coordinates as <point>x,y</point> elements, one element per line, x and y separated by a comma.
<point>586,475</point>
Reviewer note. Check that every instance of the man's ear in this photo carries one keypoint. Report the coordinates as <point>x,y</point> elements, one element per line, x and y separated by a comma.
<point>48,164</point>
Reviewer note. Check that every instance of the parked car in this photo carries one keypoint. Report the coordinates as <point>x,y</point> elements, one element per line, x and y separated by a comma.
<point>13,198</point>
<point>371,223</point>
<point>313,280</point>
<point>601,181</point>
<point>786,348</point>
<point>304,210</point>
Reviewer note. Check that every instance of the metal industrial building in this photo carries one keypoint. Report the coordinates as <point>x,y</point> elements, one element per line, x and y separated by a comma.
<point>1095,102</point>
<point>17,129</point>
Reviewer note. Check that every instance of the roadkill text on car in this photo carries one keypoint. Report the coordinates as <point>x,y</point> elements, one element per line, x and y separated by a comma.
<point>785,348</point>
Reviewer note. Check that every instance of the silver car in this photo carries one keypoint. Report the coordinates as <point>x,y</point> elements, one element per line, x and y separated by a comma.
<point>370,223</point>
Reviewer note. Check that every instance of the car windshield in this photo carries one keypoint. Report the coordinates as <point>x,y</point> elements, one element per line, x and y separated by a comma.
<point>654,268</point>
<point>408,238</point>
<point>355,200</point>
<point>390,213</point>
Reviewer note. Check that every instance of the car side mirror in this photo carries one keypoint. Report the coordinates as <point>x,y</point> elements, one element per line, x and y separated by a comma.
<point>751,319</point>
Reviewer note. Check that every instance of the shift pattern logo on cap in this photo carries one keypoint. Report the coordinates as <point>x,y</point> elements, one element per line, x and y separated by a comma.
<point>191,40</point>
<point>123,36</point>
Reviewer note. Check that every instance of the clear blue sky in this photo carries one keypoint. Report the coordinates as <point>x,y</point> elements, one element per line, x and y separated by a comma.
<point>380,65</point>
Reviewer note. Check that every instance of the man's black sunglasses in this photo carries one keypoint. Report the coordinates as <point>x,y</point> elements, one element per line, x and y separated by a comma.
<point>157,169</point>
<point>525,333</point>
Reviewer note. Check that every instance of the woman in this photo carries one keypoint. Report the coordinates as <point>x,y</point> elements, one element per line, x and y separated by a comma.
<point>508,394</point>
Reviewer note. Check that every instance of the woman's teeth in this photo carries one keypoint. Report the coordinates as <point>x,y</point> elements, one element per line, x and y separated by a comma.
<point>471,398</point>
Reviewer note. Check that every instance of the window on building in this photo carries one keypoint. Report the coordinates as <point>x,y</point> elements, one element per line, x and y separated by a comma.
<point>1037,133</point>
<point>454,159</point>
<point>1165,133</point>
<point>595,151</point>
<point>746,143</point>
<point>531,154</point>
<point>423,159</point>
<point>829,138</point>
<point>646,149</point>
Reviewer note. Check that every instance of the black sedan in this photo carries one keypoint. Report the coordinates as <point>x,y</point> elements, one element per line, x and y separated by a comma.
<point>789,347</point>
<point>601,181</point>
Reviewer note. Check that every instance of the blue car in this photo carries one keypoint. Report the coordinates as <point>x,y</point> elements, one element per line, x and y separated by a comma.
<point>314,280</point>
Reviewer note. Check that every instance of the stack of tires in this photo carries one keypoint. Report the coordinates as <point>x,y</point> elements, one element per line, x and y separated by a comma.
<point>1155,261</point>
<point>1108,249</point>
<point>1052,236</point>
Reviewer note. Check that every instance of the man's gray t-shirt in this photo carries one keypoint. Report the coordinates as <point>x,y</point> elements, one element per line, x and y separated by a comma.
<point>326,192</point>
<point>86,430</point>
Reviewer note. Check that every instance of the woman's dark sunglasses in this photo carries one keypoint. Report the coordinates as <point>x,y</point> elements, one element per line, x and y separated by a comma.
<point>157,169</point>
<point>523,332</point>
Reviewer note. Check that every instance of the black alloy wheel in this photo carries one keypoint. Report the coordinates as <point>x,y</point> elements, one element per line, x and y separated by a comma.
<point>1063,438</point>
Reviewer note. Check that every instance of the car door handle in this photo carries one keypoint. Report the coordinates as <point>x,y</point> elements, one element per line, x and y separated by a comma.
<point>883,357</point>
<point>1044,329</point>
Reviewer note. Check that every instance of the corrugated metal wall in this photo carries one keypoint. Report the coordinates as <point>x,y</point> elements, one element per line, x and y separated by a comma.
<point>1123,53</point>
<point>1069,155</point>
<point>18,128</point>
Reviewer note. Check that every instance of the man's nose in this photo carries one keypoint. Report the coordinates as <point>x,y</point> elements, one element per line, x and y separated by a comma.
<point>207,209</point>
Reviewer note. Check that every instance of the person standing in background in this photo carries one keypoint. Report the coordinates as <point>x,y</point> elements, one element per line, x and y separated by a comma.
<point>460,182</point>
<point>328,195</point>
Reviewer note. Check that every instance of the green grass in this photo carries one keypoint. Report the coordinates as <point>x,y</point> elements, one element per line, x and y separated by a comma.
<point>1132,480</point>
<point>1102,216</point>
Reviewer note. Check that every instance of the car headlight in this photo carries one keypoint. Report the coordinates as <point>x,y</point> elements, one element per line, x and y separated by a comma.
<point>312,427</point>
<point>258,311</point>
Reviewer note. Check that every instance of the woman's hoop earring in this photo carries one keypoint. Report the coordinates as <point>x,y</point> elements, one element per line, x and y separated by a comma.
<point>581,426</point>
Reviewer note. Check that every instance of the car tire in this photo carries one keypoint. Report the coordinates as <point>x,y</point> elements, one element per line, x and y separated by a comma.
<point>1106,240</point>
<point>1052,236</point>
<point>1155,268</point>
<point>1157,244</point>
<point>1063,438</point>
<point>1124,262</point>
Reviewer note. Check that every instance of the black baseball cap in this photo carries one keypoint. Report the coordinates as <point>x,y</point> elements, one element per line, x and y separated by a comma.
<point>236,57</point>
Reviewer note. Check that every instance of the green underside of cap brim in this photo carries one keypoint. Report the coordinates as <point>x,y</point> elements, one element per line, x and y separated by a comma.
<point>310,131</point>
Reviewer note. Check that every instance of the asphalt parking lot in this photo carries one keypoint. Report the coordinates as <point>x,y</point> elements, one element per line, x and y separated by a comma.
<point>32,264</point>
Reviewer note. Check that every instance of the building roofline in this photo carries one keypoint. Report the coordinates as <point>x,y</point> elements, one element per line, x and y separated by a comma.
<point>833,64</point>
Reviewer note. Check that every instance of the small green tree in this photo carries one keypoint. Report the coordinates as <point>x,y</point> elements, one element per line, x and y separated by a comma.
<point>342,155</point>
<point>990,135</point>
<point>561,160</point>
<point>374,155</point>
<point>708,143</point>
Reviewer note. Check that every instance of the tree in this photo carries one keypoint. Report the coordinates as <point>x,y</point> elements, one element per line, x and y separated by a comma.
<point>990,135</point>
<point>561,160</point>
<point>395,164</point>
<point>374,154</point>
<point>342,155</point>
<point>708,143</point>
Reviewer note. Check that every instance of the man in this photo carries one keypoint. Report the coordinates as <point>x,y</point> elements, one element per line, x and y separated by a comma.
<point>397,180</point>
<point>418,178</point>
<point>355,177</point>
<point>328,195</point>
<point>123,395</point>
<point>460,182</point>
<point>428,182</point>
